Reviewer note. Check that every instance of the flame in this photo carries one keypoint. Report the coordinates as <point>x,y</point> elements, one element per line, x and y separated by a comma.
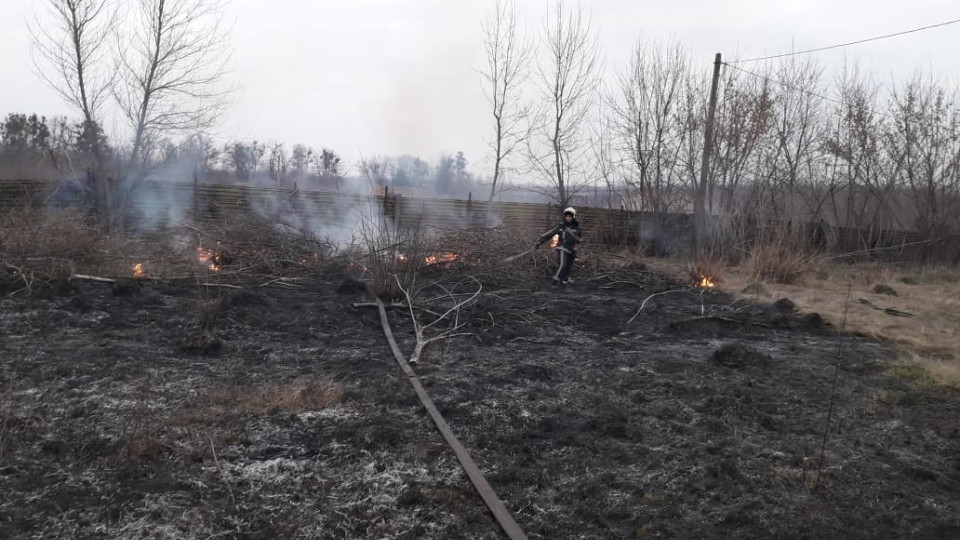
<point>210,258</point>
<point>314,260</point>
<point>555,241</point>
<point>706,282</point>
<point>445,258</point>
<point>138,270</point>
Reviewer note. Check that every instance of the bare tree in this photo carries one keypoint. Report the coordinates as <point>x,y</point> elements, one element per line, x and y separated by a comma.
<point>170,66</point>
<point>508,57</point>
<point>858,189</point>
<point>300,159</point>
<point>652,127</point>
<point>923,141</point>
<point>568,79</point>
<point>608,161</point>
<point>743,116</point>
<point>279,163</point>
<point>797,117</point>
<point>71,46</point>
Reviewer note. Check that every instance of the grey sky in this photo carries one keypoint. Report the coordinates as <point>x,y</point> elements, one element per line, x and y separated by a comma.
<point>400,76</point>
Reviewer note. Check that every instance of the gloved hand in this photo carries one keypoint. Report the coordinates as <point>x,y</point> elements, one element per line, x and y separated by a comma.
<point>537,245</point>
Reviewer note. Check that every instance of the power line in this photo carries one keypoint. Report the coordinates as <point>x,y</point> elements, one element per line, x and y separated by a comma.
<point>877,38</point>
<point>783,84</point>
<point>826,98</point>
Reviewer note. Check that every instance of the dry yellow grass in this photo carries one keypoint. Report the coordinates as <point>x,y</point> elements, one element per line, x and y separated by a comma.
<point>303,394</point>
<point>929,340</point>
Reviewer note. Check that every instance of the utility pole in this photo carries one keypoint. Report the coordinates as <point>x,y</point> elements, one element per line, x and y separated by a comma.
<point>700,211</point>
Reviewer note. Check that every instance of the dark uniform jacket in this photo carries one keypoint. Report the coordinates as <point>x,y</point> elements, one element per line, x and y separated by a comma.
<point>570,236</point>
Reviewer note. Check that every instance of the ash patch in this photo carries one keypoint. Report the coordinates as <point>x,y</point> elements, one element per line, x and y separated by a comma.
<point>695,417</point>
<point>738,355</point>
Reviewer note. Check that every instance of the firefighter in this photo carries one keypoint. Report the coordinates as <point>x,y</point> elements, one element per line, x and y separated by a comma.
<point>568,244</point>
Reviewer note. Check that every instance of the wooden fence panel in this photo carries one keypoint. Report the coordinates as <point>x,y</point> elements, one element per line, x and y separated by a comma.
<point>164,203</point>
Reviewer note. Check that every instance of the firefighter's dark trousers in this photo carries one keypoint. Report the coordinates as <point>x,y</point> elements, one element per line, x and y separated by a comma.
<point>564,265</point>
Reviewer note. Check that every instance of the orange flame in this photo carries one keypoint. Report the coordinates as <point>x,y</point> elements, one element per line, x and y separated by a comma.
<point>353,264</point>
<point>445,258</point>
<point>209,258</point>
<point>314,260</point>
<point>555,241</point>
<point>706,282</point>
<point>138,270</point>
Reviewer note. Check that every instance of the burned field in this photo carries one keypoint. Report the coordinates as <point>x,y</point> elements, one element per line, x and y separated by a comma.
<point>175,410</point>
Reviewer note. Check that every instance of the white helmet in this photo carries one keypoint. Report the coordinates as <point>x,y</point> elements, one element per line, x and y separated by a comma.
<point>570,210</point>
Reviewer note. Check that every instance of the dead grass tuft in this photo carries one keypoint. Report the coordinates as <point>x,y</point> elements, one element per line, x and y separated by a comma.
<point>932,298</point>
<point>208,313</point>
<point>143,446</point>
<point>41,248</point>
<point>707,264</point>
<point>302,395</point>
<point>243,242</point>
<point>221,405</point>
<point>783,260</point>
<point>929,370</point>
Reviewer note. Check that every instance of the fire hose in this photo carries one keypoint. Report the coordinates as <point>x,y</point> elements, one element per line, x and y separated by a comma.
<point>518,255</point>
<point>486,492</point>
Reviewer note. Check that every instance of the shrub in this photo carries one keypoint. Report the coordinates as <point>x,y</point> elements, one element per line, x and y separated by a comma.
<point>43,248</point>
<point>781,255</point>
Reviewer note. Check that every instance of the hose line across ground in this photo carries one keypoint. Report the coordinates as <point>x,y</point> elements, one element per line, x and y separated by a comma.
<point>489,496</point>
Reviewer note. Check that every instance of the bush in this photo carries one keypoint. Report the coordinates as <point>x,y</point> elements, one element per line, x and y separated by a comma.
<point>782,256</point>
<point>44,248</point>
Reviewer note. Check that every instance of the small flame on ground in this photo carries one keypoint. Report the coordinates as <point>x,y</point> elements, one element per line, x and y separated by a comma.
<point>315,260</point>
<point>706,282</point>
<point>210,258</point>
<point>138,270</point>
<point>445,258</point>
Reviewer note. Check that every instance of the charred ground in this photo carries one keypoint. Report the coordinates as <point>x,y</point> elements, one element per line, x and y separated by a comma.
<point>177,410</point>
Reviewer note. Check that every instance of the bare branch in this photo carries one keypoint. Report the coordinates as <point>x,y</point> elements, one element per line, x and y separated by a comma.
<point>568,81</point>
<point>508,58</point>
<point>450,332</point>
<point>171,64</point>
<point>70,45</point>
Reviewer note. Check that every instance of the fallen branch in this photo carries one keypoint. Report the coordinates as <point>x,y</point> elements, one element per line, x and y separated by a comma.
<point>27,281</point>
<point>394,305</point>
<point>518,255</point>
<point>223,476</point>
<point>888,248</point>
<point>222,285</point>
<point>289,283</point>
<point>888,311</point>
<point>83,277</point>
<point>715,318</point>
<point>644,303</point>
<point>422,342</point>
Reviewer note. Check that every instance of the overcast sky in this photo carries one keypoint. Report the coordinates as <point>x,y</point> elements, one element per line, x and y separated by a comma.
<point>400,76</point>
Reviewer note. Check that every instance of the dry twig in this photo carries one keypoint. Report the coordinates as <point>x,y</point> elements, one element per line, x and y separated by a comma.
<point>84,277</point>
<point>644,303</point>
<point>451,332</point>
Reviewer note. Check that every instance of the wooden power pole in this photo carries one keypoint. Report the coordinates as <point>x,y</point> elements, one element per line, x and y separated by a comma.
<point>700,212</point>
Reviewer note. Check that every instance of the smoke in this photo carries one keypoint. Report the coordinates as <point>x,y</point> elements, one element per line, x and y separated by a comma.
<point>163,200</point>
